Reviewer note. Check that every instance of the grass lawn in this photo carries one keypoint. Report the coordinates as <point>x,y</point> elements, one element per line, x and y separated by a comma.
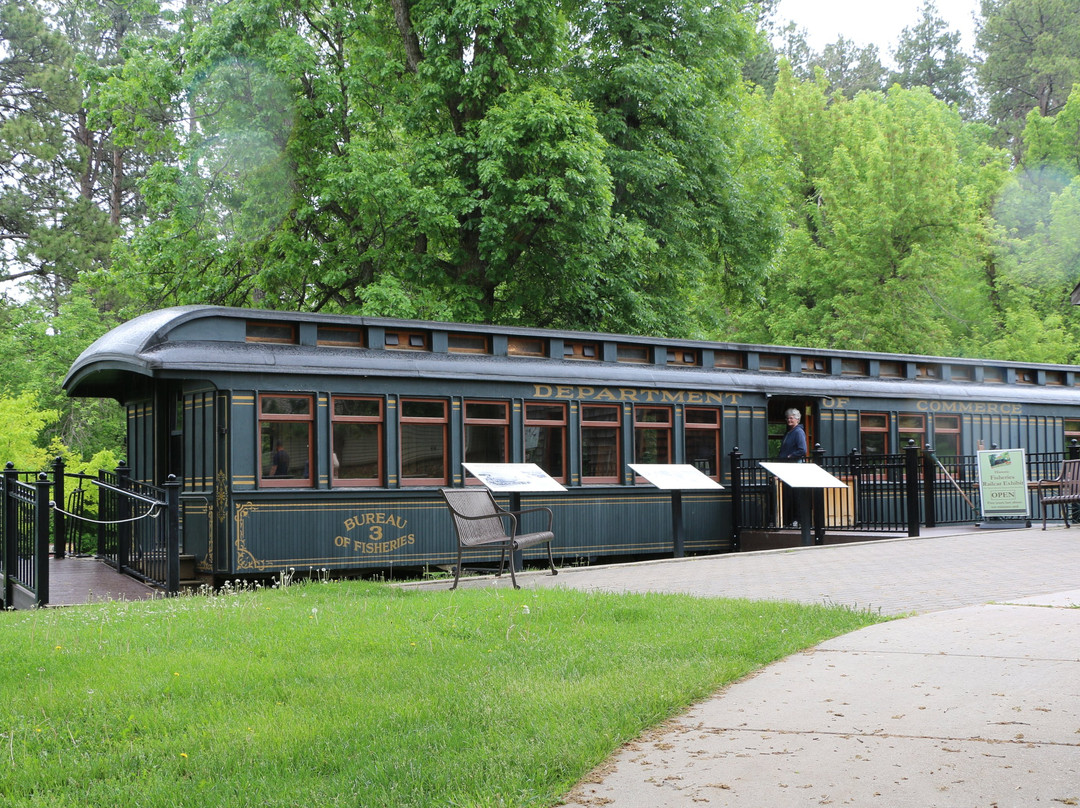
<point>361,694</point>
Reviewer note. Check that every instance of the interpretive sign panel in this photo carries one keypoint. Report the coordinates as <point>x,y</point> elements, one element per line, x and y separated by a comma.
<point>512,477</point>
<point>1003,483</point>
<point>803,475</point>
<point>675,476</point>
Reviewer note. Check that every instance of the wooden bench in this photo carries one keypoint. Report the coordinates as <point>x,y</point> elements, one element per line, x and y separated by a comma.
<point>1067,485</point>
<point>479,521</point>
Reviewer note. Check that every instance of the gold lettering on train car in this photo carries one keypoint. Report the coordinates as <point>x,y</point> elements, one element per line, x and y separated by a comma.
<point>374,519</point>
<point>630,395</point>
<point>376,540</point>
<point>373,547</point>
<point>830,403</point>
<point>970,407</point>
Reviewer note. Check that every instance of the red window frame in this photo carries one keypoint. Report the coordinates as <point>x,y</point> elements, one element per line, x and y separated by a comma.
<point>275,427</point>
<point>550,417</point>
<point>604,417</point>
<point>442,422</point>
<point>346,420</point>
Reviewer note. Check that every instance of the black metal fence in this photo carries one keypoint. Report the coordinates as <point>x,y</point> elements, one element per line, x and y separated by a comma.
<point>139,527</point>
<point>883,493</point>
<point>875,497</point>
<point>131,525</point>
<point>25,541</point>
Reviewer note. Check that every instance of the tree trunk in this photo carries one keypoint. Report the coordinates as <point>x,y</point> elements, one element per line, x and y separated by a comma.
<point>408,34</point>
<point>115,194</point>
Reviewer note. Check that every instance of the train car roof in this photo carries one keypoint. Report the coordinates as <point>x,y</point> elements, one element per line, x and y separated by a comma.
<point>208,342</point>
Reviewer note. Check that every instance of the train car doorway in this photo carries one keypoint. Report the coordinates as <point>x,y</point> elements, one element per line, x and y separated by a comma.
<point>778,406</point>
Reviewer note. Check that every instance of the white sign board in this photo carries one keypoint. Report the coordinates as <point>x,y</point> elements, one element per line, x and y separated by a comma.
<point>675,476</point>
<point>803,475</point>
<point>1003,483</point>
<point>511,477</point>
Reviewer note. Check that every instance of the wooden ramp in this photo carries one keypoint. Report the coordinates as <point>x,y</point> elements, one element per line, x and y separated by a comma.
<point>76,580</point>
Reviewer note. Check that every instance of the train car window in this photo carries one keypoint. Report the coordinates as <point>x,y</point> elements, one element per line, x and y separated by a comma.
<point>340,337</point>
<point>912,427</point>
<point>891,370</point>
<point>468,343</point>
<point>406,341</point>
<point>652,434</point>
<point>729,359</point>
<point>1027,377</point>
<point>874,433</point>
<point>773,362</point>
<point>638,354</point>
<point>285,427</point>
<point>281,333</point>
<point>702,441</point>
<point>356,426</point>
<point>545,438</point>
<point>580,350</point>
<point>947,435</point>
<point>487,431</point>
<point>683,356</point>
<point>600,439</point>
<point>925,372</point>
<point>854,367</point>
<point>423,433</point>
<point>1055,377</point>
<point>994,375</point>
<point>1072,430</point>
<point>526,346</point>
<point>962,373</point>
<point>814,364</point>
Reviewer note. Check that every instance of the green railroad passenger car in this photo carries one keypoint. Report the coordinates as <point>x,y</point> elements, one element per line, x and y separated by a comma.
<point>312,441</point>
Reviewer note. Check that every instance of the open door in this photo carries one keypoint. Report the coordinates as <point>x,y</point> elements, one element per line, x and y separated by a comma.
<point>778,405</point>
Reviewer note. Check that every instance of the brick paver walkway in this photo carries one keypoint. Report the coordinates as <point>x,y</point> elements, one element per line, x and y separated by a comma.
<point>893,576</point>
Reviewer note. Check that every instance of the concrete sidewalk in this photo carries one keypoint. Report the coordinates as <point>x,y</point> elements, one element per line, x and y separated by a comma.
<point>973,702</point>
<point>978,706</point>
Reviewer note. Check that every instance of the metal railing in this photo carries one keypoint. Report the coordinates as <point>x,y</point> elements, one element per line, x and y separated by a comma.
<point>136,527</point>
<point>139,527</point>
<point>883,493</point>
<point>876,497</point>
<point>25,540</point>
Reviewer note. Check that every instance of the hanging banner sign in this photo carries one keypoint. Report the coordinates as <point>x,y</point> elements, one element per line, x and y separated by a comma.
<point>1003,483</point>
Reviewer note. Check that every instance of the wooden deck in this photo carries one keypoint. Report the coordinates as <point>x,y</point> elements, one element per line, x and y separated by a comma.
<point>74,580</point>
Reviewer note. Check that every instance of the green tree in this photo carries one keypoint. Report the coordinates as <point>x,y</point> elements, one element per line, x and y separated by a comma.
<point>929,55</point>
<point>37,347</point>
<point>514,162</point>
<point>23,421</point>
<point>851,69</point>
<point>1037,240</point>
<point>1031,57</point>
<point>693,172</point>
<point>50,229</point>
<point>884,238</point>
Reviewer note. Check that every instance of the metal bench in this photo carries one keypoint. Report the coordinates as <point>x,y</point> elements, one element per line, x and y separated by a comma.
<point>479,521</point>
<point>1067,485</point>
